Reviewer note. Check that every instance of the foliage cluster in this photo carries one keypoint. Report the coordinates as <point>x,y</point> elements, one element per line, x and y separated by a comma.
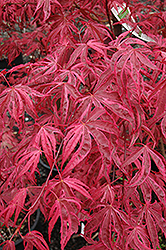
<point>97,109</point>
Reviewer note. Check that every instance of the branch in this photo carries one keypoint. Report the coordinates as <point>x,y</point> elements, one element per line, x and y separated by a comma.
<point>109,20</point>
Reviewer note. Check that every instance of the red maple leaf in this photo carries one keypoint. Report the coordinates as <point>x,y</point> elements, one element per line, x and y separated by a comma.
<point>34,239</point>
<point>16,100</point>
<point>46,7</point>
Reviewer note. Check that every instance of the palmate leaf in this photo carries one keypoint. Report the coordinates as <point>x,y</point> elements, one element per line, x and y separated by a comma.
<point>136,57</point>
<point>61,197</point>
<point>156,213</point>
<point>97,31</point>
<point>46,7</point>
<point>152,215</point>
<point>110,220</point>
<point>34,239</point>
<point>34,192</point>
<point>97,46</point>
<point>12,46</point>
<point>64,93</point>
<point>43,138</point>
<point>130,59</point>
<point>149,214</point>
<point>104,193</point>
<point>16,100</point>
<point>73,74</point>
<point>157,187</point>
<point>7,138</point>
<point>82,51</point>
<point>160,108</point>
<point>46,139</point>
<point>50,116</point>
<point>62,33</point>
<point>159,161</point>
<point>30,40</point>
<point>15,207</point>
<point>151,226</point>
<point>9,245</point>
<point>28,162</point>
<point>81,133</point>
<point>68,186</point>
<point>8,194</point>
<point>144,170</point>
<point>102,97</point>
<point>45,67</point>
<point>66,209</point>
<point>77,185</point>
<point>137,238</point>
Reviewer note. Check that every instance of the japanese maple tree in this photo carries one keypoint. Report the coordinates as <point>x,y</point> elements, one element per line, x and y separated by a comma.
<point>95,95</point>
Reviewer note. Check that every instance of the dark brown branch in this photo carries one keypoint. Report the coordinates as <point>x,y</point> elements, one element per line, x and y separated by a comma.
<point>109,20</point>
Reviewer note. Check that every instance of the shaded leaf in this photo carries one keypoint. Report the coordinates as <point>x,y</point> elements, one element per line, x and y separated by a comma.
<point>34,239</point>
<point>65,208</point>
<point>9,245</point>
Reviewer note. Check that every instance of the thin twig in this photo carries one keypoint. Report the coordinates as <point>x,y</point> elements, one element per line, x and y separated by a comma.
<point>95,235</point>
